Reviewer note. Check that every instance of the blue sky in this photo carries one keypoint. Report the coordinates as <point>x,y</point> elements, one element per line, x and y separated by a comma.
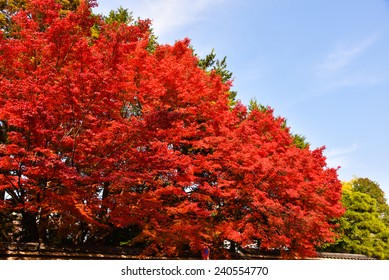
<point>323,65</point>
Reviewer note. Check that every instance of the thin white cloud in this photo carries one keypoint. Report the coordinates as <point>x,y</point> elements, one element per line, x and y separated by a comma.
<point>337,69</point>
<point>343,55</point>
<point>170,15</point>
<point>339,156</point>
<point>167,15</point>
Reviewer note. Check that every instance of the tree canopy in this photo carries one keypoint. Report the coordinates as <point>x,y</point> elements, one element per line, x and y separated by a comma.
<point>8,8</point>
<point>364,228</point>
<point>106,142</point>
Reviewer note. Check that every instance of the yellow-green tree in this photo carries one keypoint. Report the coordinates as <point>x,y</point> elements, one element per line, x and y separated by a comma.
<point>363,227</point>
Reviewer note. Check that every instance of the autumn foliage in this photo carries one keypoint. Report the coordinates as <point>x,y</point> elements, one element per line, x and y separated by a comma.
<point>104,141</point>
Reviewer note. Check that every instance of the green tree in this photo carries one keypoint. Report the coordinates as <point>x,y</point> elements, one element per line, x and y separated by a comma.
<point>123,16</point>
<point>254,105</point>
<point>300,141</point>
<point>367,186</point>
<point>363,229</point>
<point>210,63</point>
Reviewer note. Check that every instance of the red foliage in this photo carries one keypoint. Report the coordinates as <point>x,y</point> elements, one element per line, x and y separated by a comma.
<point>104,134</point>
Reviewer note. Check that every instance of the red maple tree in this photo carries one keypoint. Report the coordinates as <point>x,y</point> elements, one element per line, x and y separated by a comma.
<point>104,141</point>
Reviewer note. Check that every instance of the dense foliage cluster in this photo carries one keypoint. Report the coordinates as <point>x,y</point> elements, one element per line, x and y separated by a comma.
<point>364,228</point>
<point>105,140</point>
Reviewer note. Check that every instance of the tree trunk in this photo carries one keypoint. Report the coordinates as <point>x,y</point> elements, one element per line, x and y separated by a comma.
<point>29,227</point>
